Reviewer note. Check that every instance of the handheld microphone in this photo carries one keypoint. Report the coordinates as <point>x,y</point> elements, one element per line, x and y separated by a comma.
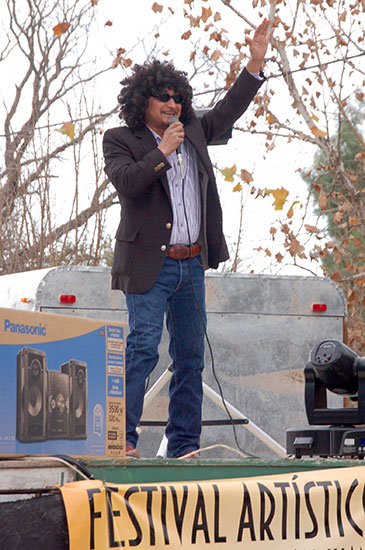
<point>173,119</point>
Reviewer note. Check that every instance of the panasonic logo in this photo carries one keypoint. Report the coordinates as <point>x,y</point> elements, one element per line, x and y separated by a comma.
<point>20,328</point>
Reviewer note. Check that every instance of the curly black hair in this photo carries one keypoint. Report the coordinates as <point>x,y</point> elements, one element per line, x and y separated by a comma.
<point>151,78</point>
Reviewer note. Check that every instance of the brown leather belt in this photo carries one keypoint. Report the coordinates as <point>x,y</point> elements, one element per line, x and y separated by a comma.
<point>182,251</point>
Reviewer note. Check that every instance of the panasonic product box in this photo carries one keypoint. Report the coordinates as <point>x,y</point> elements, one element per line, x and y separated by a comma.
<point>61,385</point>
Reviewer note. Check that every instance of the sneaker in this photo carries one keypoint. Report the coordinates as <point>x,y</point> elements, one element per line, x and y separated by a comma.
<point>131,452</point>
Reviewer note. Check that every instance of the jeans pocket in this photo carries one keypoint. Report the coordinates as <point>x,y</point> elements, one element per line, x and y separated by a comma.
<point>198,260</point>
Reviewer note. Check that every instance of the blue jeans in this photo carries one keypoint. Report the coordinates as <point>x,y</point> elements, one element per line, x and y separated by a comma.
<point>173,295</point>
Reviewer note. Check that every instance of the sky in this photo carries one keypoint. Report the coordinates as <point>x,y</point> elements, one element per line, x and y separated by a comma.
<point>133,27</point>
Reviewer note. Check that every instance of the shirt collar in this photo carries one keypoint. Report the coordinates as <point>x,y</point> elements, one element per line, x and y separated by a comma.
<point>156,136</point>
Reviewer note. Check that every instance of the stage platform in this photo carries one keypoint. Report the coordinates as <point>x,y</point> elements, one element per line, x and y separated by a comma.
<point>32,474</point>
<point>161,470</point>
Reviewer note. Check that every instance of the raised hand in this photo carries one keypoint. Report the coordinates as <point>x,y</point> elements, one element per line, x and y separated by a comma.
<point>258,45</point>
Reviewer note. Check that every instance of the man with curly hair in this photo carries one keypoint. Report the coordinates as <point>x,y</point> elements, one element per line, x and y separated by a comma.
<point>170,229</point>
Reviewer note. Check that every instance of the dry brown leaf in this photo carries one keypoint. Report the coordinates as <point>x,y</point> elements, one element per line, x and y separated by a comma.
<point>352,296</point>
<point>295,248</point>
<point>67,129</point>
<point>317,132</point>
<point>157,7</point>
<point>246,176</point>
<point>280,196</point>
<point>186,35</point>
<point>273,230</point>
<point>216,55</point>
<point>291,209</point>
<point>206,13</point>
<point>228,173</point>
<point>322,200</point>
<point>60,29</point>
<point>311,228</point>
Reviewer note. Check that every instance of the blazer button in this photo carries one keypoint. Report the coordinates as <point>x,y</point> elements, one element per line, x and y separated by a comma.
<point>168,225</point>
<point>159,166</point>
<point>163,247</point>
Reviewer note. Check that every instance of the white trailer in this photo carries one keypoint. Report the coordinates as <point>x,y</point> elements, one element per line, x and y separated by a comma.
<point>261,329</point>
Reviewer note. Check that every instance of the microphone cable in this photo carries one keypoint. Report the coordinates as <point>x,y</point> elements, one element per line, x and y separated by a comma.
<point>201,314</point>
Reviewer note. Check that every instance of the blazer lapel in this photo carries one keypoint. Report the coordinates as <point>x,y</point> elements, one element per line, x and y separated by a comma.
<point>190,135</point>
<point>146,139</point>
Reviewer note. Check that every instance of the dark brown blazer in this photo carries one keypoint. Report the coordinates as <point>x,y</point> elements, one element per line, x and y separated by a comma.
<point>137,169</point>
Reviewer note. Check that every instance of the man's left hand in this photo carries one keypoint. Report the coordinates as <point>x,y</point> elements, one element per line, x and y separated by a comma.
<point>258,46</point>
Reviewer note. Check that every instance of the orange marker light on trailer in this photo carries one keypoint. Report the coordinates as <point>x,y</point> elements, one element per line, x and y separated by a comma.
<point>319,308</point>
<point>67,298</point>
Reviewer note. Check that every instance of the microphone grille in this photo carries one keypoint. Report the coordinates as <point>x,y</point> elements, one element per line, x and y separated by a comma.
<point>173,119</point>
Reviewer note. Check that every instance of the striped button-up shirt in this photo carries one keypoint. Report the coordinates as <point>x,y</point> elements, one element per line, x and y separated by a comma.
<point>186,221</point>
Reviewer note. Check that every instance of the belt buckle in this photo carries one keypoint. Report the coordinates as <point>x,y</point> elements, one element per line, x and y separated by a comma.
<point>181,252</point>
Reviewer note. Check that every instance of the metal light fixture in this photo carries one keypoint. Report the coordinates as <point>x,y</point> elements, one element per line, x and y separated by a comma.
<point>333,367</point>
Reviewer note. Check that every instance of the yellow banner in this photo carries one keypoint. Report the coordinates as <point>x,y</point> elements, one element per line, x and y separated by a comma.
<point>316,510</point>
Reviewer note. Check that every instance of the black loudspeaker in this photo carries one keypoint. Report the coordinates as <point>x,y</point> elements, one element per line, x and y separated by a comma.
<point>58,392</point>
<point>31,395</point>
<point>76,370</point>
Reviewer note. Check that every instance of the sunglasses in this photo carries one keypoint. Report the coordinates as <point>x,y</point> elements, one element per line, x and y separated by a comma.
<point>164,97</point>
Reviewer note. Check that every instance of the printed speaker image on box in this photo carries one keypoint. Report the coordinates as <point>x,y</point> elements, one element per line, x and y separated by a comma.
<point>31,395</point>
<point>50,404</point>
<point>61,385</point>
<point>76,372</point>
